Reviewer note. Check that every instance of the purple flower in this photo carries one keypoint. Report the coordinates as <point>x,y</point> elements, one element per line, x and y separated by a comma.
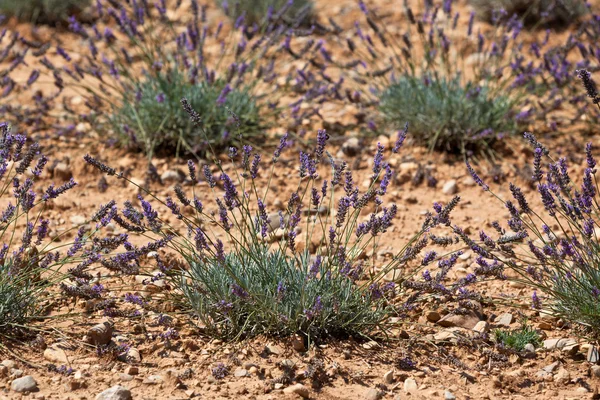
<point>279,149</point>
<point>400,139</point>
<point>209,176</point>
<point>536,303</point>
<point>254,167</point>
<point>223,96</point>
<point>192,170</point>
<point>160,98</point>
<point>238,291</point>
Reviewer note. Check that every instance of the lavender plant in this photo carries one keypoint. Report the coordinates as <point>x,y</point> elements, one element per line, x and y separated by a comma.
<point>539,13</point>
<point>426,69</point>
<point>148,60</point>
<point>255,11</point>
<point>301,270</point>
<point>445,115</point>
<point>42,263</point>
<point>555,250</point>
<point>51,12</point>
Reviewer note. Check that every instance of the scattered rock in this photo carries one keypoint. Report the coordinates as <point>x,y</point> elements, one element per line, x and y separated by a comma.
<point>562,376</point>
<point>56,355</point>
<point>410,386</point>
<point>373,394</point>
<point>529,348</point>
<point>559,343</point>
<point>548,370</point>
<point>298,344</point>
<point>433,316</point>
<point>24,384</point>
<point>240,372</point>
<point>592,355</point>
<point>595,371</point>
<point>9,364</point>
<point>388,378</point>
<point>298,389</point>
<point>467,321</point>
<point>101,334</point>
<point>272,349</point>
<point>77,220</point>
<point>62,171</point>
<point>351,147</point>
<point>117,392</point>
<point>153,380</point>
<point>446,335</point>
<point>172,176</point>
<point>450,187</point>
<point>132,370</point>
<point>505,319</point>
<point>545,326</point>
<point>482,327</point>
<point>133,355</point>
<point>448,395</point>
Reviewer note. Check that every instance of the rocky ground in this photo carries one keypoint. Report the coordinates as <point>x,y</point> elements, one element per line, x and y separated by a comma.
<point>454,359</point>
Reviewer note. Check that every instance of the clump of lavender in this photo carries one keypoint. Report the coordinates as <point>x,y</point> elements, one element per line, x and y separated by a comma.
<point>251,271</point>
<point>536,14</point>
<point>256,11</point>
<point>140,63</point>
<point>51,12</point>
<point>36,256</point>
<point>553,248</point>
<point>457,95</point>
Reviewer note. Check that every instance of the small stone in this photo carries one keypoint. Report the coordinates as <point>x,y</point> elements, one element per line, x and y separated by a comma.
<point>240,372</point>
<point>298,344</point>
<point>298,389</point>
<point>545,326</point>
<point>482,327</point>
<point>351,147</point>
<point>126,377</point>
<point>410,386</point>
<point>133,355</point>
<point>445,336</point>
<point>595,371</point>
<point>24,384</point>
<point>505,319</point>
<point>62,171</point>
<point>448,395</point>
<point>172,176</point>
<point>56,355</point>
<point>77,220</point>
<point>100,334</point>
<point>592,354</point>
<point>132,370</point>
<point>388,378</point>
<point>530,348</point>
<point>272,349</point>
<point>433,316</point>
<point>153,379</point>
<point>373,394</point>
<point>467,321</point>
<point>559,343</point>
<point>562,376</point>
<point>450,187</point>
<point>16,373</point>
<point>9,364</point>
<point>117,392</point>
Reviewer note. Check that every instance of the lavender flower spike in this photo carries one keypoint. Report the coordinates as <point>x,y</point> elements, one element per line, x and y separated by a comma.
<point>476,177</point>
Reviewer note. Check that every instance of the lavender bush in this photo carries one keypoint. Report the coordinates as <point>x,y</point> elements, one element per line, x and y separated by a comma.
<point>446,115</point>
<point>143,60</point>
<point>256,11</point>
<point>52,12</point>
<point>427,69</point>
<point>554,250</point>
<point>539,13</point>
<point>306,269</point>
